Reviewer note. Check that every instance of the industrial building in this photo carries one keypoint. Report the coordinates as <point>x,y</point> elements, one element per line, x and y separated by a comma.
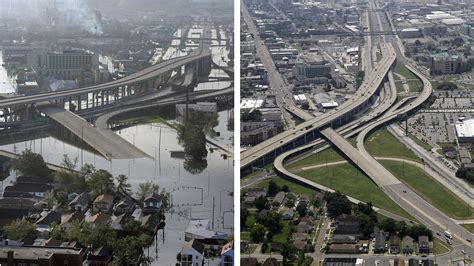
<point>465,131</point>
<point>312,68</point>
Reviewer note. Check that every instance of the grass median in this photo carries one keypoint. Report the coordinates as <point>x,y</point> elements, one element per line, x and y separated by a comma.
<point>350,181</point>
<point>430,189</point>
<point>382,143</point>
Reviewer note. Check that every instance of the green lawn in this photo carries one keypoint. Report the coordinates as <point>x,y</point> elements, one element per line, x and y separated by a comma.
<point>382,143</point>
<point>441,247</point>
<point>414,85</point>
<point>350,181</point>
<point>399,87</point>
<point>469,227</point>
<point>430,190</point>
<point>282,237</point>
<point>418,141</point>
<point>327,155</point>
<point>402,70</point>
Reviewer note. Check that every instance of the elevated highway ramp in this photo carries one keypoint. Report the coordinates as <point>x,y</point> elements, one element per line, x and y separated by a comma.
<point>106,142</point>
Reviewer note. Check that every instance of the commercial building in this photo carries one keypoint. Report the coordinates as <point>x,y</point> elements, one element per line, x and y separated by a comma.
<point>41,255</point>
<point>443,63</point>
<point>312,68</point>
<point>410,33</point>
<point>465,131</point>
<point>68,64</point>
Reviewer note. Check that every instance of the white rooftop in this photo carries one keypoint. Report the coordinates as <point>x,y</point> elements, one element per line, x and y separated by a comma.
<point>465,129</point>
<point>250,103</point>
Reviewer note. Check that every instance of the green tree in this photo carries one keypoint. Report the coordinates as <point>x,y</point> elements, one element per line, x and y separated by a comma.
<point>337,204</point>
<point>101,182</point>
<point>129,250</point>
<point>261,203</point>
<point>257,233</point>
<point>288,251</point>
<point>30,163</point>
<point>244,214</point>
<point>272,188</point>
<point>123,186</point>
<point>69,179</point>
<point>20,229</point>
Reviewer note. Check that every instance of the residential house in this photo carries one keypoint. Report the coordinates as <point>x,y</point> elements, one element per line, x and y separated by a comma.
<point>201,229</point>
<point>347,225</point>
<point>100,257</point>
<point>80,202</point>
<point>278,199</point>
<point>99,218</point>
<point>413,262</point>
<point>303,227</point>
<point>299,236</point>
<point>47,219</point>
<point>103,203</point>
<point>126,205</point>
<point>152,203</point>
<point>69,219</point>
<point>339,261</point>
<point>227,254</point>
<point>423,245</point>
<point>300,244</point>
<point>394,242</point>
<point>192,253</point>
<point>288,213</point>
<point>407,245</point>
<point>380,242</point>
<point>117,222</point>
<point>304,199</point>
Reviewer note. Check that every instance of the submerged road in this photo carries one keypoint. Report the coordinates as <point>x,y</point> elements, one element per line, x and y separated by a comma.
<point>106,142</point>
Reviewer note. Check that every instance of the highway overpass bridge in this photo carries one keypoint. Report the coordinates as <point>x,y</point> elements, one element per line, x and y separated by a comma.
<point>139,83</point>
<point>309,130</point>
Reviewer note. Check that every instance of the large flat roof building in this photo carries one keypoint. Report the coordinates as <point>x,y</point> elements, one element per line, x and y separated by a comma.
<point>465,131</point>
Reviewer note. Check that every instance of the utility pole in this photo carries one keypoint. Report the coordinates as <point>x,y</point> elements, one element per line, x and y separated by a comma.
<point>213,207</point>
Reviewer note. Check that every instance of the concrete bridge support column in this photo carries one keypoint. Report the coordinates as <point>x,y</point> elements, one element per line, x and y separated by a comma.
<point>70,103</point>
<point>87,100</point>
<point>79,103</point>
<point>107,97</point>
<point>102,94</point>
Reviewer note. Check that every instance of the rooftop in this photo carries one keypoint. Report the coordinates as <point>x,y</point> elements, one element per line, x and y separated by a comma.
<point>465,129</point>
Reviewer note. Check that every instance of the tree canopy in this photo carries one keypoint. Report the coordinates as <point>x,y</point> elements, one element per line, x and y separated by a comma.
<point>30,163</point>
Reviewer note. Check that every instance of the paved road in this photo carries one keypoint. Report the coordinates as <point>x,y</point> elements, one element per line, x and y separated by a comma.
<point>107,143</point>
<point>143,75</point>
<point>435,168</point>
<point>278,86</point>
<point>363,95</point>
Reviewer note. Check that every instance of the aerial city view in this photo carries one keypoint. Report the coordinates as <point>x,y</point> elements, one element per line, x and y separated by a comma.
<point>357,132</point>
<point>116,132</point>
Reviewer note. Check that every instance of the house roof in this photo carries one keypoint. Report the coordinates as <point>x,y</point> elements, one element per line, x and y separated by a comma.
<point>126,202</point>
<point>29,187</point>
<point>69,218</point>
<point>104,198</point>
<point>153,197</point>
<point>82,199</point>
<point>51,242</point>
<point>99,218</point>
<point>194,244</point>
<point>49,218</point>
<point>299,244</point>
<point>20,203</point>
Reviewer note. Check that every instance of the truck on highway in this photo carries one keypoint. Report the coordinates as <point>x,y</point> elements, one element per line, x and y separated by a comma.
<point>448,235</point>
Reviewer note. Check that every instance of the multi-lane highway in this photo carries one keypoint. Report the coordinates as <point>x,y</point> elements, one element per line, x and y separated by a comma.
<point>135,78</point>
<point>278,86</point>
<point>367,90</point>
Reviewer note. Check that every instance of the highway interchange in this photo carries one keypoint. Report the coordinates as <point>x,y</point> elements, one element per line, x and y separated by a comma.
<point>385,113</point>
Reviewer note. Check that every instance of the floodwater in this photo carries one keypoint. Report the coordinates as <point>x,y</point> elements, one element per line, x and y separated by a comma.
<point>214,183</point>
<point>7,83</point>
